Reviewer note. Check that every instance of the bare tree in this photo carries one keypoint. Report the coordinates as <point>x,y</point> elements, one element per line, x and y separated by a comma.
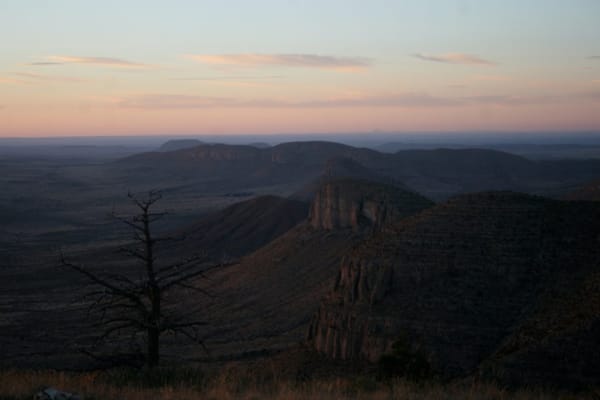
<point>136,307</point>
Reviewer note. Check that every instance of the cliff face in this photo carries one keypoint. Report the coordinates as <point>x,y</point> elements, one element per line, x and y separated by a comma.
<point>359,204</point>
<point>459,279</point>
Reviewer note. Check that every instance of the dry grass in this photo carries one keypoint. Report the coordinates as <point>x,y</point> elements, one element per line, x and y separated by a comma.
<point>17,385</point>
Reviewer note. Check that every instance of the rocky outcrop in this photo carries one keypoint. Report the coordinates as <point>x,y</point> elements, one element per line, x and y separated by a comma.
<point>266,302</point>
<point>338,168</point>
<point>358,204</point>
<point>459,279</point>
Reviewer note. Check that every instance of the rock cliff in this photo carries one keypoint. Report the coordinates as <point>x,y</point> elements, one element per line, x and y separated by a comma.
<point>358,204</point>
<point>461,280</point>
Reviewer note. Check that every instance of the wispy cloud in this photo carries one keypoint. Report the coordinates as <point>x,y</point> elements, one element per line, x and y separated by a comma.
<point>229,78</point>
<point>103,61</point>
<point>47,78</point>
<point>594,58</point>
<point>233,81</point>
<point>399,100</point>
<point>167,101</point>
<point>44,63</point>
<point>491,78</point>
<point>455,58</point>
<point>286,60</point>
<point>12,81</point>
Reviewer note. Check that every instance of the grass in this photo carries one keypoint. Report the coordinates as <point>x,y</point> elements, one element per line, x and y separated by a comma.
<point>233,383</point>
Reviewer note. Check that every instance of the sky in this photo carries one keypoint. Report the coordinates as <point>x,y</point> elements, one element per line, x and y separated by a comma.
<point>132,67</point>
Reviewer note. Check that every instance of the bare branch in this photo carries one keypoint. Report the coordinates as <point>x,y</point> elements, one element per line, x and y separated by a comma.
<point>198,259</point>
<point>139,308</point>
<point>96,279</point>
<point>193,274</point>
<point>196,289</point>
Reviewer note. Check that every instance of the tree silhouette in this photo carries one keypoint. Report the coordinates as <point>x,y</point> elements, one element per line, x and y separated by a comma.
<point>137,307</point>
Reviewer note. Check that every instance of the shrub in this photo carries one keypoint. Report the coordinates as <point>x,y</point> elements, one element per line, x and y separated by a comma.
<point>405,361</point>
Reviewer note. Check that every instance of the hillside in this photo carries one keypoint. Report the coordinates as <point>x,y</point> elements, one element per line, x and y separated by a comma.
<point>266,301</point>
<point>53,297</point>
<point>478,278</point>
<point>243,227</point>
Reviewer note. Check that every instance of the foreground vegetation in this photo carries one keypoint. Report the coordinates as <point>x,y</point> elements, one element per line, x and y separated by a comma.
<point>229,383</point>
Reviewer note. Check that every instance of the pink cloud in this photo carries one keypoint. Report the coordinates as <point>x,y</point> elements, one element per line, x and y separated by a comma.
<point>286,60</point>
<point>39,77</point>
<point>491,78</point>
<point>104,61</point>
<point>455,58</point>
<point>400,100</point>
<point>12,81</point>
<point>169,101</point>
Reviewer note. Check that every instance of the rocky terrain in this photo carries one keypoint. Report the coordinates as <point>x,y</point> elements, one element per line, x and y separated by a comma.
<point>501,280</point>
<point>267,300</point>
<point>358,204</point>
<point>336,244</point>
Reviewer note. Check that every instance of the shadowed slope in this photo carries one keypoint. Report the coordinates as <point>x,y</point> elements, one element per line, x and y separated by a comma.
<point>587,192</point>
<point>459,278</point>
<point>267,300</point>
<point>244,227</point>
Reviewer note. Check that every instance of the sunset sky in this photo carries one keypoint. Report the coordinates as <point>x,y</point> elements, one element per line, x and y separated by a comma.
<point>76,67</point>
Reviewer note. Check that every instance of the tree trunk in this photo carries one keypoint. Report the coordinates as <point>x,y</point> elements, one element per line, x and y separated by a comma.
<point>154,327</point>
<point>153,353</point>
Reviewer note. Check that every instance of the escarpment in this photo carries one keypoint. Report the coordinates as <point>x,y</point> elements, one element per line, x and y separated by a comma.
<point>358,204</point>
<point>460,280</point>
<point>272,294</point>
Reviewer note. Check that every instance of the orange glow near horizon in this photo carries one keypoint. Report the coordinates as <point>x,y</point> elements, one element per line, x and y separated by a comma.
<point>107,121</point>
<point>285,68</point>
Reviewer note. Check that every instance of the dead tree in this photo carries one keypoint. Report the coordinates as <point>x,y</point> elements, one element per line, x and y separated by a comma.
<point>126,306</point>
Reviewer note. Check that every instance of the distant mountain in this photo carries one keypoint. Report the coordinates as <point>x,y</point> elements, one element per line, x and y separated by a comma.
<point>499,282</point>
<point>259,145</point>
<point>393,147</point>
<point>179,144</point>
<point>235,167</point>
<point>437,174</point>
